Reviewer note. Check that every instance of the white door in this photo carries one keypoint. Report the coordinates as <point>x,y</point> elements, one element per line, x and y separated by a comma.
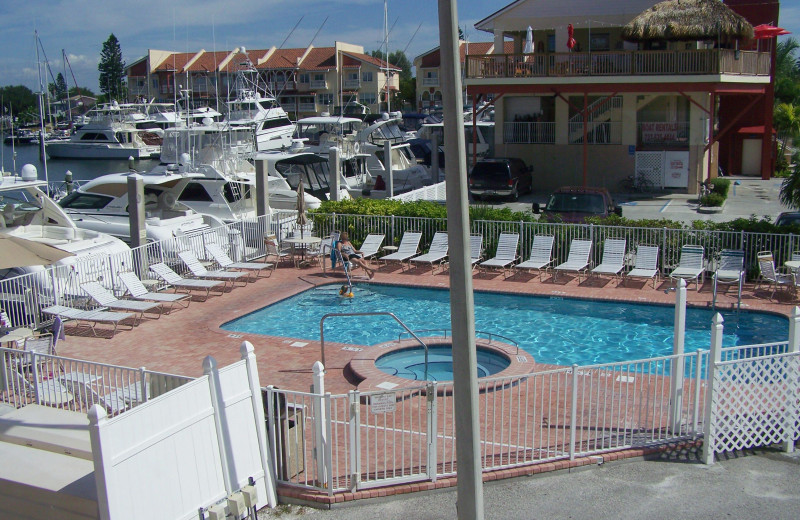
<point>676,169</point>
<point>751,157</point>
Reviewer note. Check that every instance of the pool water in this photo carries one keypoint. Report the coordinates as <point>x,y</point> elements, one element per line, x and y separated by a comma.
<point>409,363</point>
<point>560,331</point>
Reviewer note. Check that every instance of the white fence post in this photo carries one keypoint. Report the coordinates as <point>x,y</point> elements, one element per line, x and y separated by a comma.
<point>246,350</point>
<point>354,423</point>
<point>573,414</point>
<point>320,420</point>
<point>433,428</point>
<point>676,391</point>
<point>211,370</point>
<point>714,357</point>
<point>794,346</point>
<point>97,417</point>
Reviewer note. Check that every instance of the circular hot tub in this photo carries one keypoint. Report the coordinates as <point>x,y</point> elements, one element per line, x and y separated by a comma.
<point>409,363</point>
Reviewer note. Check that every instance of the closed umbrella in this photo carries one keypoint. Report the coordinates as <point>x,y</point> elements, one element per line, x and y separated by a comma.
<point>570,39</point>
<point>20,252</point>
<point>302,220</point>
<point>528,41</point>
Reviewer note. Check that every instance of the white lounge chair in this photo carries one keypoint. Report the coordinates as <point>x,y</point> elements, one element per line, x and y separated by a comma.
<point>222,258</point>
<point>730,270</point>
<point>91,317</point>
<point>577,259</point>
<point>200,271</point>
<point>475,249</point>
<point>646,265</point>
<point>409,246</point>
<point>770,275</point>
<point>691,265</point>
<point>137,290</point>
<point>371,245</point>
<point>505,255</point>
<point>613,260</point>
<point>106,298</point>
<point>172,278</point>
<point>48,392</point>
<point>437,252</point>
<point>541,255</point>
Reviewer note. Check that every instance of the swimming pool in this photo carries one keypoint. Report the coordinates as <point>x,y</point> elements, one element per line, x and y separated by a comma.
<point>560,331</point>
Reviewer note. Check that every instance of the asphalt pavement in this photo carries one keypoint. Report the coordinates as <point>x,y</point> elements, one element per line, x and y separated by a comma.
<point>755,484</point>
<point>748,196</point>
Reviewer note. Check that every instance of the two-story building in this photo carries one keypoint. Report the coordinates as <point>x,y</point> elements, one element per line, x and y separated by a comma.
<point>592,102</point>
<point>305,81</point>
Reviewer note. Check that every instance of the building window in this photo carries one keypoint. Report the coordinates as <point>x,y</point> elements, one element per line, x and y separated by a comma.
<point>551,43</point>
<point>366,76</point>
<point>319,77</point>
<point>600,42</point>
<point>155,82</point>
<point>325,98</point>
<point>303,78</point>
<point>367,98</point>
<point>352,76</point>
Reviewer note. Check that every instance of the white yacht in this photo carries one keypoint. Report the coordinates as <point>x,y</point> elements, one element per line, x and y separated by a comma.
<point>102,205</point>
<point>111,133</point>
<point>27,212</point>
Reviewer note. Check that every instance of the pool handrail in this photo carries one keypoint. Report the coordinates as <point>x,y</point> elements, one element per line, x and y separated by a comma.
<point>491,336</point>
<point>344,314</point>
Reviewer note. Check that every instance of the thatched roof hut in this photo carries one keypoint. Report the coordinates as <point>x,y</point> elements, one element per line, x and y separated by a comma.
<point>688,20</point>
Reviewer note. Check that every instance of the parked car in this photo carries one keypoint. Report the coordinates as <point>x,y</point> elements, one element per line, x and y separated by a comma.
<point>500,177</point>
<point>576,203</point>
<point>788,218</point>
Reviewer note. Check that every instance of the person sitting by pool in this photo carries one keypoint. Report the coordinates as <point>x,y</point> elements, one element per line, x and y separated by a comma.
<point>351,254</point>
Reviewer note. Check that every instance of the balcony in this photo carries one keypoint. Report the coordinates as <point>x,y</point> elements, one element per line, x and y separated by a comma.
<point>306,107</point>
<point>430,82</point>
<point>319,84</point>
<point>529,133</point>
<point>619,63</point>
<point>351,84</point>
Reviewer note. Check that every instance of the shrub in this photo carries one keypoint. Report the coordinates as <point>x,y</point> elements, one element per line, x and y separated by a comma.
<point>713,199</point>
<point>721,186</point>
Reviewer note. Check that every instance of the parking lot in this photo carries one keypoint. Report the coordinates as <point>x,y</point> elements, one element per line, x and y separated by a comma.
<point>748,196</point>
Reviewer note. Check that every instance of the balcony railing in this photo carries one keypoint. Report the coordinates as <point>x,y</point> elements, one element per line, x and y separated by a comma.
<point>597,132</point>
<point>319,83</point>
<point>533,133</point>
<point>619,63</point>
<point>352,83</point>
<point>430,82</point>
<point>306,107</point>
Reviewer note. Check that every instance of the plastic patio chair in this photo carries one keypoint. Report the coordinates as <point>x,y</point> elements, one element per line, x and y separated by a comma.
<point>730,270</point>
<point>138,291</point>
<point>541,255</point>
<point>91,317</point>
<point>436,253</point>
<point>691,265</point>
<point>613,261</point>
<point>200,271</point>
<point>646,265</point>
<point>577,259</point>
<point>172,278</point>
<point>222,258</point>
<point>506,254</point>
<point>770,275</point>
<point>409,247</point>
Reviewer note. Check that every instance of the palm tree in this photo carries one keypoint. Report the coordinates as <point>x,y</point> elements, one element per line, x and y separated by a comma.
<point>787,72</point>
<point>786,121</point>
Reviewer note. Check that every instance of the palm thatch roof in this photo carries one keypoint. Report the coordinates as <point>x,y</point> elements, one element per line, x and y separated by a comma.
<point>688,20</point>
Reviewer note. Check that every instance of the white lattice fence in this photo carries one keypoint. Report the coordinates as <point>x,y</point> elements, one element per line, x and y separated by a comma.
<point>755,403</point>
<point>650,166</point>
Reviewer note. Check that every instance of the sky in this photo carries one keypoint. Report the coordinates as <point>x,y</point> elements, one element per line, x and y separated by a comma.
<point>80,27</point>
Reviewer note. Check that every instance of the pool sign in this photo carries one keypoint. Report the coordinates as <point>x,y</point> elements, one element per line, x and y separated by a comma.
<point>383,403</point>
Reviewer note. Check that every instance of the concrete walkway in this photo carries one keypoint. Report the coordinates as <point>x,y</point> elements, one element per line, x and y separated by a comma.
<point>757,484</point>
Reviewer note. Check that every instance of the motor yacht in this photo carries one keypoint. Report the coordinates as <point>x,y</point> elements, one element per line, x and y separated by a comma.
<point>113,132</point>
<point>27,212</point>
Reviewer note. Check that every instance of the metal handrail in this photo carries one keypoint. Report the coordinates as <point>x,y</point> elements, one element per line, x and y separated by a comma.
<point>337,314</point>
<point>491,336</point>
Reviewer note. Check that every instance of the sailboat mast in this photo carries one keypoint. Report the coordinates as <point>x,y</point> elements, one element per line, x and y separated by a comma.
<point>69,105</point>
<point>42,154</point>
<point>386,43</point>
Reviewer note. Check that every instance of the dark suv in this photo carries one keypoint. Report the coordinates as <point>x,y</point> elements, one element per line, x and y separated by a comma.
<point>575,204</point>
<point>500,177</point>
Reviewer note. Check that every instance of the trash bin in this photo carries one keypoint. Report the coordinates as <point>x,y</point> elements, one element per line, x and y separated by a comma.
<point>289,436</point>
<point>236,245</point>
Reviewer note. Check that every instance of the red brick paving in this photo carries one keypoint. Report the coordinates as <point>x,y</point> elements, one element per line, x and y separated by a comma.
<point>178,342</point>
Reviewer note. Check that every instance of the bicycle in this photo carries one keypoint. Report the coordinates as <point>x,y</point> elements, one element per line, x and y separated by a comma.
<point>636,184</point>
<point>705,188</point>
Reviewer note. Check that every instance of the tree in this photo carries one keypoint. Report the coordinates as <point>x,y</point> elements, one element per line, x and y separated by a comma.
<point>58,90</point>
<point>787,72</point>
<point>112,69</point>
<point>19,99</point>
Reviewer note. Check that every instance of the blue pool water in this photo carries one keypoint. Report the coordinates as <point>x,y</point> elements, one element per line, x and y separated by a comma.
<point>409,363</point>
<point>560,331</point>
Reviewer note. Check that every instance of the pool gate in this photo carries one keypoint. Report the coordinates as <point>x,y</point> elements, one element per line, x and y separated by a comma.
<point>732,397</point>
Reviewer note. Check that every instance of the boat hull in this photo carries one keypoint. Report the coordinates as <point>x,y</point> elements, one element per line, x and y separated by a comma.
<point>68,150</point>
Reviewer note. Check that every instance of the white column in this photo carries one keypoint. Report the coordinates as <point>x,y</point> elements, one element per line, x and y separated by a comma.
<point>676,390</point>
<point>335,167</point>
<point>714,357</point>
<point>97,418</point>
<point>387,164</point>
<point>262,188</point>
<point>211,370</point>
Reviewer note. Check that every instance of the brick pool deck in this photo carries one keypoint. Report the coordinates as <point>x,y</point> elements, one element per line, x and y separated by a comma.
<point>178,342</point>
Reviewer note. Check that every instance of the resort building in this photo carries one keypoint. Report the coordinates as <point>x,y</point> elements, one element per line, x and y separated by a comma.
<point>305,81</point>
<point>596,97</point>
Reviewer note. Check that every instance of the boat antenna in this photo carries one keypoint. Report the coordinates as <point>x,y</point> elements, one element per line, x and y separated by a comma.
<point>66,94</point>
<point>277,94</point>
<point>386,44</point>
<point>42,153</point>
<point>292,31</point>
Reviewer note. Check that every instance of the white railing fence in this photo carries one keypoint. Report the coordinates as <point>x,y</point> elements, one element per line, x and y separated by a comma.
<point>48,380</point>
<point>360,440</point>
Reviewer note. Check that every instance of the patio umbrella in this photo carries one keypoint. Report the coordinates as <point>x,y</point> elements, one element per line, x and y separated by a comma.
<point>528,41</point>
<point>20,252</point>
<point>764,31</point>
<point>302,220</point>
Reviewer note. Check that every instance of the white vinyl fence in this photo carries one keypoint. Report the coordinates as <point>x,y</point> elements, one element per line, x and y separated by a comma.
<point>359,440</point>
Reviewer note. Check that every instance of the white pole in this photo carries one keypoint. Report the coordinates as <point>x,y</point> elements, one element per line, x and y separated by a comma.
<point>335,171</point>
<point>387,164</point>
<point>320,426</point>
<point>469,504</point>
<point>714,357</point>
<point>435,157</point>
<point>676,391</point>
